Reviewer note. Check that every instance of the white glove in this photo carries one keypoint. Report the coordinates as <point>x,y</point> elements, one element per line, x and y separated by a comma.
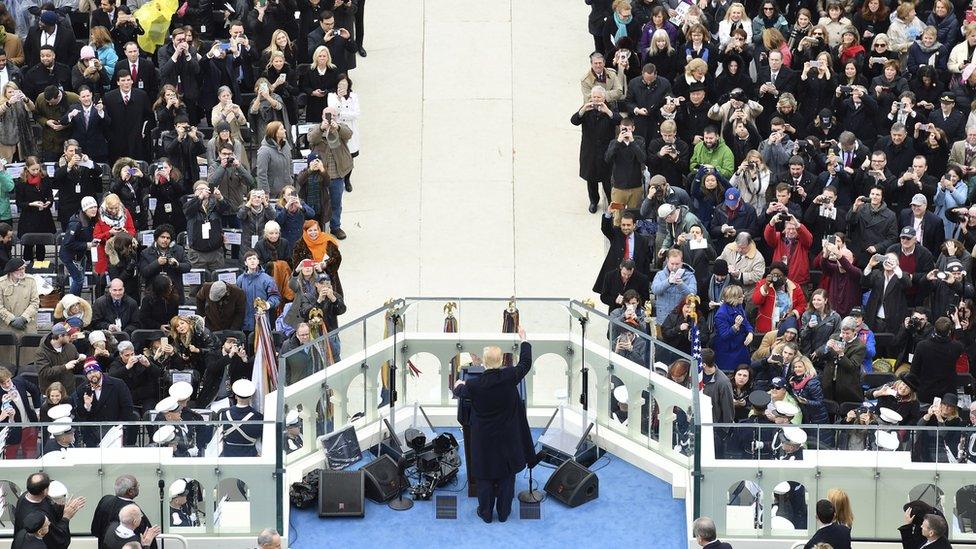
<point>194,451</point>
<point>758,445</point>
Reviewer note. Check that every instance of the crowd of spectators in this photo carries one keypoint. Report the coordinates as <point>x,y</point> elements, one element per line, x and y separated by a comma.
<point>797,181</point>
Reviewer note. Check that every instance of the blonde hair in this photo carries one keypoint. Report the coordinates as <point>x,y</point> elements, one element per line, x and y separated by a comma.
<point>111,201</point>
<point>742,10</point>
<point>492,357</point>
<point>694,65</point>
<point>904,9</point>
<point>732,293</point>
<point>659,34</point>
<point>842,507</point>
<point>315,57</point>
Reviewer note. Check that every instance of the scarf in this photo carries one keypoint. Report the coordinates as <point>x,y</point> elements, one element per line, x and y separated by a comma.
<point>621,26</point>
<point>116,222</point>
<point>318,246</point>
<point>934,48</point>
<point>851,52</point>
<point>34,180</point>
<point>799,384</point>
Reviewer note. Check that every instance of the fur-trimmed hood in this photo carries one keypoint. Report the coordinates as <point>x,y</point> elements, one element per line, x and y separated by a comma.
<point>68,301</point>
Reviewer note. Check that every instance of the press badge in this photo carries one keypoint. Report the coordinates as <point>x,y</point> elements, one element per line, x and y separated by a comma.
<point>140,85</point>
<point>168,208</point>
<point>205,230</point>
<point>254,240</point>
<point>78,188</point>
<point>94,254</point>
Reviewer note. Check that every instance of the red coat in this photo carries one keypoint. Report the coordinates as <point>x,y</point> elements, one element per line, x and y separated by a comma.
<point>764,304</point>
<point>102,233</point>
<point>798,260</point>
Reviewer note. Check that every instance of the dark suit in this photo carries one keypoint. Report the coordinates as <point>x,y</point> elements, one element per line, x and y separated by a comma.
<point>104,312</point>
<point>893,297</point>
<point>785,82</point>
<point>147,76</point>
<point>933,229</point>
<point>101,19</point>
<point>114,404</point>
<point>343,51</point>
<point>107,512</point>
<point>125,137</point>
<point>185,71</point>
<point>500,437</point>
<point>90,136</point>
<point>836,534</point>
<point>65,49</point>
<point>39,77</point>
<point>717,544</point>
<point>954,124</point>
<point>641,253</point>
<point>613,286</point>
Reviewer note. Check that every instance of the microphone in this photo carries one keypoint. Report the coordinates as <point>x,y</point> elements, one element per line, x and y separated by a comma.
<point>162,489</point>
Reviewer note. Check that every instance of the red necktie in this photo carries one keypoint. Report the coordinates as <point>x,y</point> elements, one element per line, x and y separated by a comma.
<point>627,248</point>
<point>135,72</point>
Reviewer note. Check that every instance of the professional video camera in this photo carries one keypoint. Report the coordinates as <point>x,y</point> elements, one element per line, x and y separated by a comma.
<point>436,462</point>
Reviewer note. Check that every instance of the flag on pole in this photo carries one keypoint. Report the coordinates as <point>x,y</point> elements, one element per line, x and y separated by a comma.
<point>264,375</point>
<point>696,353</point>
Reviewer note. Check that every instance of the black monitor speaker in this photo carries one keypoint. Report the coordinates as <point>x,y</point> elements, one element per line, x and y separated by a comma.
<point>382,479</point>
<point>341,494</point>
<point>573,485</point>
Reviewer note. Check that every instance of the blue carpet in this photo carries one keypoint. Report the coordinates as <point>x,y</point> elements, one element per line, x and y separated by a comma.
<point>634,508</point>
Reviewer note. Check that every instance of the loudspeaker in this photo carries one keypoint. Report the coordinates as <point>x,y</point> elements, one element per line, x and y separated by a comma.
<point>382,479</point>
<point>573,485</point>
<point>341,494</point>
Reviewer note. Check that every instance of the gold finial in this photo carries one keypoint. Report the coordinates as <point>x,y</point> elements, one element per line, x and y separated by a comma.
<point>511,304</point>
<point>648,309</point>
<point>589,302</point>
<point>449,308</point>
<point>260,305</point>
<point>693,300</point>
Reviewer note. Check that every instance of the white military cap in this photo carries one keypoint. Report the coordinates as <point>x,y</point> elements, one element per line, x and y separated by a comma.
<point>784,408</point>
<point>795,435</point>
<point>292,418</point>
<point>782,488</point>
<point>57,489</point>
<point>168,404</point>
<point>886,440</point>
<point>178,488</point>
<point>181,390</point>
<point>890,416</point>
<point>59,411</point>
<point>621,394</point>
<point>243,388</point>
<point>782,523</point>
<point>61,426</point>
<point>164,434</point>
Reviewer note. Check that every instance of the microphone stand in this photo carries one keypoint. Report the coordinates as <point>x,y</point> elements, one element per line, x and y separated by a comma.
<point>401,503</point>
<point>584,371</point>
<point>531,495</point>
<point>162,515</point>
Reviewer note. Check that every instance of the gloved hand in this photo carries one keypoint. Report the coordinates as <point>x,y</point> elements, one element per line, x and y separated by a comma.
<point>758,445</point>
<point>18,323</point>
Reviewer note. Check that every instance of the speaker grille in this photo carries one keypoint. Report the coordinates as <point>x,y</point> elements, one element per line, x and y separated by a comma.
<point>341,494</point>
<point>381,479</point>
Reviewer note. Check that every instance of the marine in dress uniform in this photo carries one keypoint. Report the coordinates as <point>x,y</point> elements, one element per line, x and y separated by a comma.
<point>293,432</point>
<point>789,503</point>
<point>199,434</point>
<point>788,444</point>
<point>181,514</point>
<point>753,442</point>
<point>62,436</point>
<point>240,440</point>
<point>165,437</point>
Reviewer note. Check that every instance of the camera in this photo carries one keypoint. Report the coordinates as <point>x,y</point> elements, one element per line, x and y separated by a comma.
<point>941,275</point>
<point>846,90</point>
<point>951,310</point>
<point>436,462</point>
<point>752,164</point>
<point>328,118</point>
<point>914,323</point>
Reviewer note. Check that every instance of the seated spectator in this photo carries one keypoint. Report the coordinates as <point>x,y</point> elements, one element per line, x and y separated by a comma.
<point>205,230</point>
<point>71,306</point>
<point>858,439</point>
<point>805,386</point>
<point>791,245</point>
<point>19,299</point>
<point>191,342</point>
<point>159,304</point>
<point>221,306</point>
<point>58,359</point>
<point>256,284</point>
<point>746,264</point>
<point>104,399</point>
<point>676,328</point>
<point>778,299</point>
<point>319,246</point>
<point>840,362</point>
<point>934,362</point>
<point>773,338</point>
<point>252,216</point>
<point>818,322</point>
<point>115,311</point>
<point>139,374</point>
<point>21,399</point>
<point>54,395</point>
<point>733,331</point>
<point>888,303</point>
<point>164,257</point>
<point>225,365</point>
<point>672,283</point>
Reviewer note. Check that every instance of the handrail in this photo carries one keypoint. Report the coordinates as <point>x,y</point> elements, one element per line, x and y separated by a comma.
<point>175,537</point>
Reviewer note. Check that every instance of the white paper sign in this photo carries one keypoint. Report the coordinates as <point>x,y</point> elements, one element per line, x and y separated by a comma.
<point>94,253</point>
<point>232,236</point>
<point>229,278</point>
<point>15,169</point>
<point>700,244</point>
<point>204,171</point>
<point>191,278</point>
<point>147,239</point>
<point>45,319</point>
<point>254,240</point>
<point>297,165</point>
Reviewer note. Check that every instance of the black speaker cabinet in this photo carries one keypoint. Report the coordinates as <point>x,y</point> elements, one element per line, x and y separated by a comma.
<point>573,485</point>
<point>381,479</point>
<point>341,494</point>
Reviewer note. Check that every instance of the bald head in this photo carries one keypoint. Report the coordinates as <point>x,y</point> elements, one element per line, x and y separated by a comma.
<point>130,516</point>
<point>116,289</point>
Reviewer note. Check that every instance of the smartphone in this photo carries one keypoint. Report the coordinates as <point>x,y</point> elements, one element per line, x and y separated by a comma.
<point>815,64</point>
<point>264,88</point>
<point>937,401</point>
<point>776,358</point>
<point>132,171</point>
<point>225,46</point>
<point>878,257</point>
<point>164,340</point>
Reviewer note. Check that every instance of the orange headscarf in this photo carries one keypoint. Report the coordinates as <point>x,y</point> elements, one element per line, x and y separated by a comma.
<point>319,245</point>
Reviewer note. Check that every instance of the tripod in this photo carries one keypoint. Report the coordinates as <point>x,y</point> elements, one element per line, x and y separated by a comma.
<point>401,503</point>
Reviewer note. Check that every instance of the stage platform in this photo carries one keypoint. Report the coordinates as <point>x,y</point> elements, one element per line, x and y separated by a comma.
<point>634,507</point>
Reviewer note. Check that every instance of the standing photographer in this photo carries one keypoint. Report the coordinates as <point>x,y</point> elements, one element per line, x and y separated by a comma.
<point>626,156</point>
<point>947,288</point>
<point>500,438</point>
<point>915,328</point>
<point>791,245</point>
<point>888,303</point>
